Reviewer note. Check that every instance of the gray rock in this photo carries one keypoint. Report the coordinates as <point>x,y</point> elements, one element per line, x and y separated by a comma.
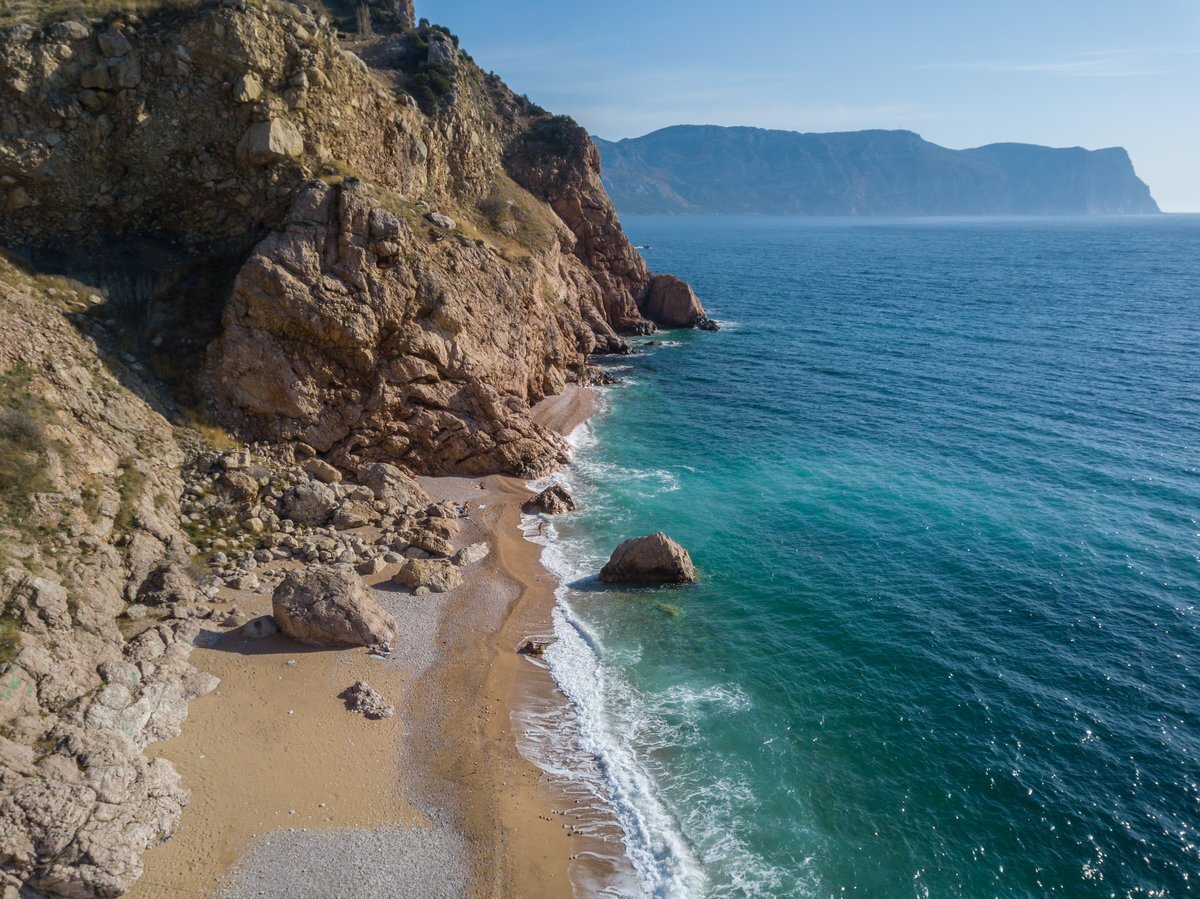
<point>354,514</point>
<point>247,88</point>
<point>361,697</point>
<point>70,31</point>
<point>167,583</point>
<point>469,555</point>
<point>322,471</point>
<point>371,566</point>
<point>269,142</point>
<point>442,221</point>
<point>309,504</point>
<point>113,43</point>
<point>392,486</point>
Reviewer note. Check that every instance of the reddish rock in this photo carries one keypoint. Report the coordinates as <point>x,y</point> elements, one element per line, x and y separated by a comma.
<point>554,500</point>
<point>671,303</point>
<point>654,559</point>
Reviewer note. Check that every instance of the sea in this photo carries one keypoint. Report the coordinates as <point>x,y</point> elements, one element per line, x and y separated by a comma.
<point>941,480</point>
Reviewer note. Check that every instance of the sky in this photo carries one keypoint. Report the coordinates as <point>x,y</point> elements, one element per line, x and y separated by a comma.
<point>1058,72</point>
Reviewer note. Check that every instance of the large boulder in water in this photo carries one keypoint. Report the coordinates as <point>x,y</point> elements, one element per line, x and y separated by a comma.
<point>654,559</point>
<point>329,607</point>
<point>554,500</point>
<point>671,303</point>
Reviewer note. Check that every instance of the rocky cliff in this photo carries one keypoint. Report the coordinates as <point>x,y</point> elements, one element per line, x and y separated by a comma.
<point>232,218</point>
<point>460,261</point>
<point>690,169</point>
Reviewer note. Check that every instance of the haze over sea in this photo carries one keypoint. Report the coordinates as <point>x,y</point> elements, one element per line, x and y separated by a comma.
<point>942,480</point>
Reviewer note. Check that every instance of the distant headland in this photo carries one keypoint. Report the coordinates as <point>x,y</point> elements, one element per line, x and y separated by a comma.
<point>707,170</point>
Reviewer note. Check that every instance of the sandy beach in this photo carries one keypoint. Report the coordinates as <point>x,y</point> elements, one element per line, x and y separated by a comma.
<point>294,795</point>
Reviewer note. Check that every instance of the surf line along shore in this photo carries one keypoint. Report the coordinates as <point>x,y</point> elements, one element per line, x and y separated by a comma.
<point>292,794</point>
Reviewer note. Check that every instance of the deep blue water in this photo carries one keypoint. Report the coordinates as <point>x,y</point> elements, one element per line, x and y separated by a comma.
<point>942,480</point>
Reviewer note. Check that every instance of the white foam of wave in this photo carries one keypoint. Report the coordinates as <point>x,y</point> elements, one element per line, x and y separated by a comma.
<point>730,698</point>
<point>588,744</point>
<point>587,747</point>
<point>654,842</point>
<point>658,480</point>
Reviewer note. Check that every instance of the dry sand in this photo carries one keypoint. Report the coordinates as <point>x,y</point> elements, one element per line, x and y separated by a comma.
<point>293,795</point>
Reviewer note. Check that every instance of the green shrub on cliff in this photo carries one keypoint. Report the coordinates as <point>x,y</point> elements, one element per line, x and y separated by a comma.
<point>429,85</point>
<point>10,638</point>
<point>554,135</point>
<point>23,443</point>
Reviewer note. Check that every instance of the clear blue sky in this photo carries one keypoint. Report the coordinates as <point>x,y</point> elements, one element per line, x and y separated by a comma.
<point>1092,73</point>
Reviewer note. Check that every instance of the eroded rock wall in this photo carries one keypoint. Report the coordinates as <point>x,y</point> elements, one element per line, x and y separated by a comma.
<point>90,507</point>
<point>424,346</point>
<point>416,257</point>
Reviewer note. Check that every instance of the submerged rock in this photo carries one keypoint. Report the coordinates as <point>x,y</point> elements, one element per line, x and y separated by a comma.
<point>535,646</point>
<point>329,607</point>
<point>554,500</point>
<point>654,559</point>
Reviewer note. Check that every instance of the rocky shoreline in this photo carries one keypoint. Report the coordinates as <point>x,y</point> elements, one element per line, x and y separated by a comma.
<point>258,274</point>
<point>442,779</point>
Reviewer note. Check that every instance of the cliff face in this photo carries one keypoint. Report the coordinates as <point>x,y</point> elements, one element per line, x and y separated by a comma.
<point>89,507</point>
<point>353,310</point>
<point>367,250</point>
<point>712,170</point>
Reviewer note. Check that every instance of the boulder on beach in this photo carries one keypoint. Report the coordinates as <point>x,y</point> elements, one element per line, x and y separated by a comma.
<point>330,607</point>
<point>435,575</point>
<point>554,500</point>
<point>309,504</point>
<point>653,559</point>
<point>392,486</point>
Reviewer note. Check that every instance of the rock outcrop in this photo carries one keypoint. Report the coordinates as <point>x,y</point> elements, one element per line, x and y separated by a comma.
<point>654,559</point>
<point>355,267</point>
<point>671,303</point>
<point>329,607</point>
<point>89,523</point>
<point>329,342</point>
<point>554,500</point>
<point>361,323</point>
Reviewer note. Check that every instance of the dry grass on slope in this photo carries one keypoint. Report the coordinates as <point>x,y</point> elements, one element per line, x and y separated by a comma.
<point>38,12</point>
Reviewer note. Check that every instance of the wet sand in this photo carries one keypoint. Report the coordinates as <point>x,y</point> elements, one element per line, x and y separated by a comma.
<point>293,795</point>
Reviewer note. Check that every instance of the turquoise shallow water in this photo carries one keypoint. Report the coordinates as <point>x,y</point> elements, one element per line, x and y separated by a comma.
<point>942,479</point>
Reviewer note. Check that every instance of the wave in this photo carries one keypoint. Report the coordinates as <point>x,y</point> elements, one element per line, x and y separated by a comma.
<point>602,745</point>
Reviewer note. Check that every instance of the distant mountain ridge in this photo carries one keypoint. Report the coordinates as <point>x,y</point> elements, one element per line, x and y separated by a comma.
<point>708,169</point>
